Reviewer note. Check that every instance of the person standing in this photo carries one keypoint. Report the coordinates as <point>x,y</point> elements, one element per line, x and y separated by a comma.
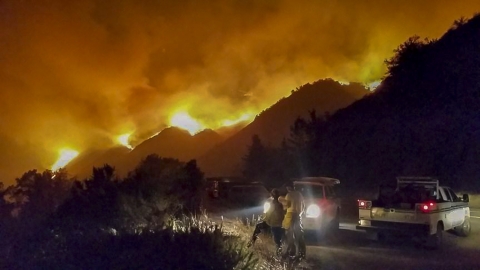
<point>292,223</point>
<point>273,220</point>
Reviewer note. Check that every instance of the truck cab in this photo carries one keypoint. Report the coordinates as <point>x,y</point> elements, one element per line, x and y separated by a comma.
<point>418,206</point>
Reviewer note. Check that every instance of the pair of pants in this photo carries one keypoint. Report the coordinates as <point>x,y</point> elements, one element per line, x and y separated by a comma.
<point>277,232</point>
<point>295,239</point>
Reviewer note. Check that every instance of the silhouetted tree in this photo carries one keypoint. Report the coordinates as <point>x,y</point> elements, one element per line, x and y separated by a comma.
<point>406,56</point>
<point>458,23</point>
<point>305,138</point>
<point>37,195</point>
<point>283,166</point>
<point>295,157</point>
<point>93,203</point>
<point>5,209</point>
<point>256,160</point>
<point>165,186</point>
<point>189,188</point>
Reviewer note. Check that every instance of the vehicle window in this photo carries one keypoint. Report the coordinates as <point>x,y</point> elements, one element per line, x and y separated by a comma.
<point>453,195</point>
<point>411,194</point>
<point>329,192</point>
<point>310,191</point>
<point>447,194</point>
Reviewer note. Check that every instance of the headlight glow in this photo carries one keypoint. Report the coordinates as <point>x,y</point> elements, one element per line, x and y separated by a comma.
<point>266,207</point>
<point>313,211</point>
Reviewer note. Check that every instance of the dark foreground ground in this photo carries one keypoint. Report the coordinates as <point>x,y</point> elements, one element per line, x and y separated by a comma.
<point>351,249</point>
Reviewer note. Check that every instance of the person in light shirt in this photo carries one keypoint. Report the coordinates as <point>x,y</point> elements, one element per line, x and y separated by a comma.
<point>292,222</point>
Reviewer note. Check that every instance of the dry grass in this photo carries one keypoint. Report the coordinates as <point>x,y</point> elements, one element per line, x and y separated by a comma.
<point>193,243</point>
<point>264,247</point>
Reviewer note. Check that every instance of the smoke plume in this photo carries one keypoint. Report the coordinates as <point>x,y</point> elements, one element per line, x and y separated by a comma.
<point>79,73</point>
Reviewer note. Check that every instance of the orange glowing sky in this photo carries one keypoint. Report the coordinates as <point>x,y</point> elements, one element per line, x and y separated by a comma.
<point>79,74</point>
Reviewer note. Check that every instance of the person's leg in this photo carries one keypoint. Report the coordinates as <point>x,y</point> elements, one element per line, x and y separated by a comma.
<point>295,233</point>
<point>258,229</point>
<point>277,235</point>
<point>291,249</point>
<point>289,237</point>
<point>302,248</point>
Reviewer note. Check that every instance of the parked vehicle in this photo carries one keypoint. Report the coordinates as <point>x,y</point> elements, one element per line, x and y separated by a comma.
<point>418,206</point>
<point>218,187</point>
<point>322,205</point>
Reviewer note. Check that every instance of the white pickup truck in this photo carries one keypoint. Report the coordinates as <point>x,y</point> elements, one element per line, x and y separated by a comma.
<point>418,206</point>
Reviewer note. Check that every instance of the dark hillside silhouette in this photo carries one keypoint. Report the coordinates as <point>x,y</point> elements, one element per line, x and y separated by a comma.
<point>174,143</point>
<point>171,142</point>
<point>273,124</point>
<point>83,164</point>
<point>228,131</point>
<point>422,120</point>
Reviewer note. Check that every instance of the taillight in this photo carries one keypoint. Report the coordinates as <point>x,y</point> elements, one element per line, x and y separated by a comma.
<point>362,204</point>
<point>427,207</point>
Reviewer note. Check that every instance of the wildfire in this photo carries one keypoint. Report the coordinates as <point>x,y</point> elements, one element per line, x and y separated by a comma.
<point>374,85</point>
<point>343,82</point>
<point>185,121</point>
<point>66,155</point>
<point>243,117</point>
<point>124,140</point>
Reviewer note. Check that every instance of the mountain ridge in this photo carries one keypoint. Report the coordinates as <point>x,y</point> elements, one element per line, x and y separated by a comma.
<point>273,124</point>
<point>422,120</point>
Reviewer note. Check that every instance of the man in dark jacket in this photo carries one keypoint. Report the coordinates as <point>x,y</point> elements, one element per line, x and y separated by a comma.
<point>273,219</point>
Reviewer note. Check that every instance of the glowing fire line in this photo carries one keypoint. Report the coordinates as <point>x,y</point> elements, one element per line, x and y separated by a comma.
<point>124,140</point>
<point>244,117</point>
<point>184,121</point>
<point>66,155</point>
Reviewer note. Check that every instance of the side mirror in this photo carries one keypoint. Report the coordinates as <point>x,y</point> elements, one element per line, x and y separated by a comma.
<point>465,198</point>
<point>432,193</point>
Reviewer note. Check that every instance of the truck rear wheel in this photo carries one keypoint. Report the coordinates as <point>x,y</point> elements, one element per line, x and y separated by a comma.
<point>464,229</point>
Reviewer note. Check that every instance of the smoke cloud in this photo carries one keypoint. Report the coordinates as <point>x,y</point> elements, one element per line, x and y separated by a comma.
<point>79,73</point>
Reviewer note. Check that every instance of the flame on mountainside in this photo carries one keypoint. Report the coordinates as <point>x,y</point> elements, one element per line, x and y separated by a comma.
<point>184,121</point>
<point>243,117</point>
<point>124,140</point>
<point>374,85</point>
<point>66,155</point>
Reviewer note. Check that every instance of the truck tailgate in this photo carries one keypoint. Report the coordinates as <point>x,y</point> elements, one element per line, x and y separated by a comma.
<point>392,215</point>
<point>393,219</point>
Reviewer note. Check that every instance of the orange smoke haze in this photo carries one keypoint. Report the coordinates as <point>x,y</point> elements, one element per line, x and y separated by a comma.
<point>82,73</point>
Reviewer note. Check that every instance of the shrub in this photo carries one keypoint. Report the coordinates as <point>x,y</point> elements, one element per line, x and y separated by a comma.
<point>192,244</point>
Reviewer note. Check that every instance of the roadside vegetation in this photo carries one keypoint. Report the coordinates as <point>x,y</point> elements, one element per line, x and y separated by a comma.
<point>152,219</point>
